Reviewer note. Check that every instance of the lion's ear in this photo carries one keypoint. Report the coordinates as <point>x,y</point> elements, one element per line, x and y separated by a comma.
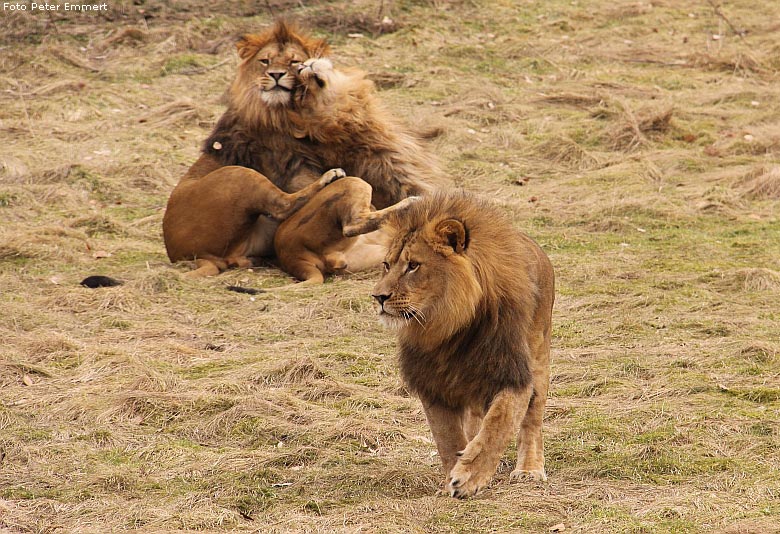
<point>246,46</point>
<point>451,234</point>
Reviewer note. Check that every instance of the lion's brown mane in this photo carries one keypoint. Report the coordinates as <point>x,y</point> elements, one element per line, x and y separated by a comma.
<point>343,125</point>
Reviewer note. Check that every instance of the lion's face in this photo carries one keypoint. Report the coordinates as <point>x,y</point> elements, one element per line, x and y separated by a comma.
<point>273,71</point>
<point>428,283</point>
<point>270,62</point>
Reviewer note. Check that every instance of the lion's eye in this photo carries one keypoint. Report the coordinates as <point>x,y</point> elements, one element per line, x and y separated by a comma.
<point>386,266</point>
<point>295,63</point>
<point>413,266</point>
<point>265,61</point>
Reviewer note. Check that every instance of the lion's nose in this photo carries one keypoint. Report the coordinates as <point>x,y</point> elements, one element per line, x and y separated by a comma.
<point>382,298</point>
<point>276,74</point>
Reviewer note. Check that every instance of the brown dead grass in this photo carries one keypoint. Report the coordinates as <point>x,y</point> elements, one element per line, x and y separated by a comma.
<point>565,151</point>
<point>761,184</point>
<point>636,129</point>
<point>755,279</point>
<point>573,99</point>
<point>740,63</point>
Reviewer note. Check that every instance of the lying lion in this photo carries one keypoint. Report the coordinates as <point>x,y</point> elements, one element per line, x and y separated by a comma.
<point>291,116</point>
<point>471,299</point>
<point>321,238</point>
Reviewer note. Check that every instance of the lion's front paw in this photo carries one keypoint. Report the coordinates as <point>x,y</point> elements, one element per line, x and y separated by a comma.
<point>471,473</point>
<point>467,481</point>
<point>333,175</point>
<point>537,475</point>
<point>315,70</point>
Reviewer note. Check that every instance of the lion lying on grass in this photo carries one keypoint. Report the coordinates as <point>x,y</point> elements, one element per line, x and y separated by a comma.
<point>320,239</point>
<point>471,299</point>
<point>291,116</point>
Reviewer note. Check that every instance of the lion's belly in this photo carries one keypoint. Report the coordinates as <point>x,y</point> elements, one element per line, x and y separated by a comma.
<point>261,240</point>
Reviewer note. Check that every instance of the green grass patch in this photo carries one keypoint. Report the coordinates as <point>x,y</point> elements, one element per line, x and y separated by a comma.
<point>7,199</point>
<point>759,395</point>
<point>183,63</point>
<point>211,369</point>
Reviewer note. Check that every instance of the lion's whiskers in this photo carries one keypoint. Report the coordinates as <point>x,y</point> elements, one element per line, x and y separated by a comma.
<point>416,313</point>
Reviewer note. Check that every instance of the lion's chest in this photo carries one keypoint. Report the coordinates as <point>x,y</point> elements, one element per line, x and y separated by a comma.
<point>470,368</point>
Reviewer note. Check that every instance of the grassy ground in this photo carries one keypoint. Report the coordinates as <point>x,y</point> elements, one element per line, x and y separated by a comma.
<point>637,142</point>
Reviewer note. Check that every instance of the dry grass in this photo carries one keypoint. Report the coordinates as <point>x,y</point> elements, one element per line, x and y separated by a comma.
<point>763,184</point>
<point>639,150</point>
<point>636,129</point>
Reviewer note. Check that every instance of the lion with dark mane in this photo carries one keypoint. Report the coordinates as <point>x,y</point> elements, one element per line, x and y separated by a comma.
<point>471,299</point>
<point>291,116</point>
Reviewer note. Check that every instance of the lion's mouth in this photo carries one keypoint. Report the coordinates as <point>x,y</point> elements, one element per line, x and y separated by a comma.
<point>401,317</point>
<point>387,314</point>
<point>278,95</point>
<point>391,321</point>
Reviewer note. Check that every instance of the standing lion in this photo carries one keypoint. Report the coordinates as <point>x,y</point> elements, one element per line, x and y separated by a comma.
<point>291,116</point>
<point>471,299</point>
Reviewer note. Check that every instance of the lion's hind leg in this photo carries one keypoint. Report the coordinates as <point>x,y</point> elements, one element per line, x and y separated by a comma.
<point>530,444</point>
<point>302,265</point>
<point>472,422</point>
<point>307,272</point>
<point>478,461</point>
<point>282,205</point>
<point>362,220</point>
<point>530,447</point>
